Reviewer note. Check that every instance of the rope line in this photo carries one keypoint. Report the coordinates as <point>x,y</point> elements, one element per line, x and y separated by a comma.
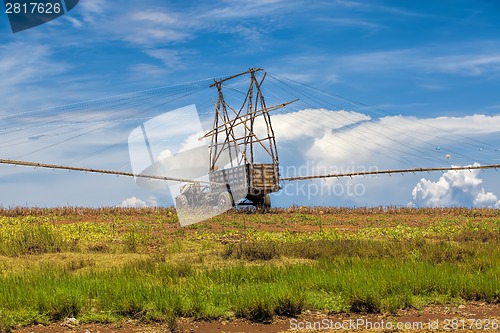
<point>100,171</point>
<point>394,171</point>
<point>185,180</point>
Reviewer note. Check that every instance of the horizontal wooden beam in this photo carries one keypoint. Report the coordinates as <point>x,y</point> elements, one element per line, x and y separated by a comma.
<point>104,172</point>
<point>394,171</point>
<point>251,70</point>
<point>184,180</point>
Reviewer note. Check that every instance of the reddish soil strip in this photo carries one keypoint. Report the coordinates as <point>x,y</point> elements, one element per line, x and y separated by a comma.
<point>483,314</point>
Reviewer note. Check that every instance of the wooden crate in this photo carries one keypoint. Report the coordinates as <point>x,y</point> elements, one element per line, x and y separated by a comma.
<point>263,178</point>
<point>257,179</point>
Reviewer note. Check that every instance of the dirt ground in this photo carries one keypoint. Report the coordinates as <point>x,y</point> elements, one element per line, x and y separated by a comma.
<point>471,317</point>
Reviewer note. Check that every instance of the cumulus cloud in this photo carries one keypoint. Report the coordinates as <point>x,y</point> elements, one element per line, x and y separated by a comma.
<point>164,154</point>
<point>133,202</point>
<point>330,137</point>
<point>320,141</point>
<point>454,188</point>
<point>313,123</point>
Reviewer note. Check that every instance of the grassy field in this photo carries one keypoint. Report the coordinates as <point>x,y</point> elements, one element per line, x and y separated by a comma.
<point>107,265</point>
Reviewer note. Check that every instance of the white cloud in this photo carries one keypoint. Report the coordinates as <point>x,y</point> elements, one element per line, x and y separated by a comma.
<point>164,154</point>
<point>486,199</point>
<point>252,34</point>
<point>469,64</point>
<point>148,71</point>
<point>148,26</point>
<point>245,9</point>
<point>161,23</point>
<point>460,61</point>
<point>170,58</point>
<point>454,188</point>
<point>26,65</point>
<point>324,141</point>
<point>341,137</point>
<point>304,123</point>
<point>133,202</point>
<point>76,23</point>
<point>154,17</point>
<point>342,141</point>
<point>92,9</point>
<point>351,23</point>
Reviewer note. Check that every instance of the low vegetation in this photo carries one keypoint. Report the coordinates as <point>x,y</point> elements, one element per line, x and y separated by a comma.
<point>107,265</point>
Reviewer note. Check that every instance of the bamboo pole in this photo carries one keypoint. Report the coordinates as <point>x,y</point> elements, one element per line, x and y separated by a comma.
<point>166,178</point>
<point>91,170</point>
<point>392,171</point>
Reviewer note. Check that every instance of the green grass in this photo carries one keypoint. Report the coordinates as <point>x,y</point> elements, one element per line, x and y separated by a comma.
<point>151,290</point>
<point>112,265</point>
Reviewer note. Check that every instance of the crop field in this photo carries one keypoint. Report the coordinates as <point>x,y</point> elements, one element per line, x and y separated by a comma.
<point>69,268</point>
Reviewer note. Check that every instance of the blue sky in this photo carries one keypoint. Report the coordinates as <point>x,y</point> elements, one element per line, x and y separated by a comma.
<point>438,61</point>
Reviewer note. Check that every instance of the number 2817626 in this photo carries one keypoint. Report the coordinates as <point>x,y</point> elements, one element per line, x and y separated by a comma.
<point>32,8</point>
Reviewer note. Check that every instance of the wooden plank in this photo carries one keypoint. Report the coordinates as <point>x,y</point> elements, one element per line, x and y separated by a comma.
<point>251,70</point>
<point>264,177</point>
